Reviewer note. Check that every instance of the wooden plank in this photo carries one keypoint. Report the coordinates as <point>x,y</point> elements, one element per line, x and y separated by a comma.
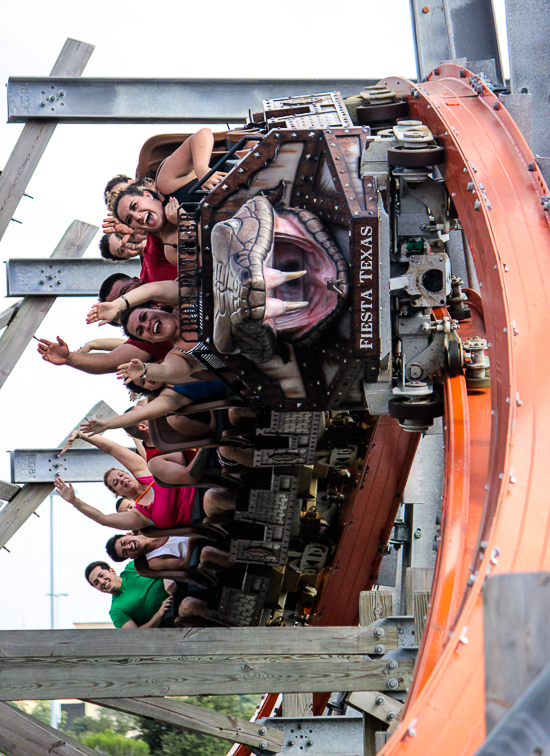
<point>35,136</point>
<point>8,314</point>
<point>168,645</point>
<point>89,677</point>
<point>370,728</point>
<point>377,704</point>
<point>8,490</point>
<point>33,310</point>
<point>297,705</point>
<point>417,579</point>
<point>516,608</point>
<point>29,498</point>
<point>374,605</point>
<point>22,735</point>
<point>198,719</point>
<point>421,600</point>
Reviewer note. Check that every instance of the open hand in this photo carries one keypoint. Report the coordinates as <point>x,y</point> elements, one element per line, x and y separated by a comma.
<point>113,226</point>
<point>57,354</point>
<point>130,371</point>
<point>69,442</point>
<point>171,210</point>
<point>65,490</point>
<point>102,313</point>
<point>93,425</point>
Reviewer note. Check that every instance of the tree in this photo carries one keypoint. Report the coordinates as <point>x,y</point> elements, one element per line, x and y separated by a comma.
<point>115,744</point>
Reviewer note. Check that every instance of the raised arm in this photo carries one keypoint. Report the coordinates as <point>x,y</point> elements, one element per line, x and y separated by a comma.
<point>160,291</point>
<point>193,155</point>
<point>101,345</point>
<point>157,408</point>
<point>103,362</point>
<point>130,520</point>
<point>126,457</point>
<point>174,370</point>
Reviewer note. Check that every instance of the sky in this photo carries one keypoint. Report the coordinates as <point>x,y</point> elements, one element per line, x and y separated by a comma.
<point>39,403</point>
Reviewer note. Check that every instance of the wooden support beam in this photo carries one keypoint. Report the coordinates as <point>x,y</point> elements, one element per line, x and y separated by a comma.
<point>33,310</point>
<point>516,607</point>
<point>417,579</point>
<point>379,705</point>
<point>199,719</point>
<point>421,601</point>
<point>8,314</point>
<point>374,605</point>
<point>29,498</point>
<point>44,664</point>
<point>22,735</point>
<point>8,490</point>
<point>35,136</point>
<point>297,705</point>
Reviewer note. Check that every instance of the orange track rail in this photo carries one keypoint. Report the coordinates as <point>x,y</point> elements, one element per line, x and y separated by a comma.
<point>497,472</point>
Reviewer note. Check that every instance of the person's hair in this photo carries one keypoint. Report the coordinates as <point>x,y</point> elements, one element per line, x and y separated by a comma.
<point>110,548</point>
<point>108,194</point>
<point>131,191</point>
<point>119,501</point>
<point>133,430</point>
<point>91,567</point>
<point>105,249</point>
<point>109,282</point>
<point>135,389</point>
<point>105,478</point>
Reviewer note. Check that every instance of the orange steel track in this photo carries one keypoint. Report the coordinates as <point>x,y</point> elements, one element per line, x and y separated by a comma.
<point>496,507</point>
<point>497,473</point>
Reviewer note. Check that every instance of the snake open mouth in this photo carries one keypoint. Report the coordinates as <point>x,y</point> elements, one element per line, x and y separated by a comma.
<point>276,272</point>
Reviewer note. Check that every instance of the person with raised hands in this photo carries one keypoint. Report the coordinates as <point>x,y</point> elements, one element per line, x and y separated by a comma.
<point>153,504</point>
<point>140,318</point>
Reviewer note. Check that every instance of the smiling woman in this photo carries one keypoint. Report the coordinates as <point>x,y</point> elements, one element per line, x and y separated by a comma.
<point>153,504</point>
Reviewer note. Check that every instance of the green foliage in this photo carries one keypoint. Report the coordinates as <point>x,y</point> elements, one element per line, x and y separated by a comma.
<point>107,720</point>
<point>115,744</point>
<point>166,740</point>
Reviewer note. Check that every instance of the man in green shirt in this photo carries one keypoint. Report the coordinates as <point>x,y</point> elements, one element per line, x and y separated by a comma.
<point>136,601</point>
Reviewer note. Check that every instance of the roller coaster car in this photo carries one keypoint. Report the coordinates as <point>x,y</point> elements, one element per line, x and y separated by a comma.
<point>318,263</point>
<point>317,272</point>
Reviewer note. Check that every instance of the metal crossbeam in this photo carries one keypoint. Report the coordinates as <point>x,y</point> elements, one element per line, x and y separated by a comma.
<point>63,278</point>
<point>320,736</point>
<point>34,138</point>
<point>43,465</point>
<point>450,29</point>
<point>29,498</point>
<point>94,100</point>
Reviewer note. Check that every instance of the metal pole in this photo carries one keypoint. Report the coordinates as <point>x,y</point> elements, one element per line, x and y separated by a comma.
<point>53,704</point>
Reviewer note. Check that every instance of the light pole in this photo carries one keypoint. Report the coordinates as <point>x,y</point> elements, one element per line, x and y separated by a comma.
<point>54,719</point>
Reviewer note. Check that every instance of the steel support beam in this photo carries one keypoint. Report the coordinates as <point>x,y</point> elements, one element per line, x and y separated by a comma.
<point>31,312</point>
<point>319,736</point>
<point>34,138</point>
<point>43,465</point>
<point>528,25</point>
<point>63,278</point>
<point>450,29</point>
<point>29,498</point>
<point>94,100</point>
